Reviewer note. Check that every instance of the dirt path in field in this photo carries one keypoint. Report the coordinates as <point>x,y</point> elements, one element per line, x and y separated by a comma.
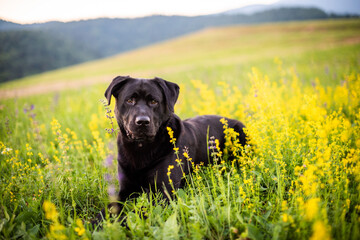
<point>50,87</point>
<point>44,87</point>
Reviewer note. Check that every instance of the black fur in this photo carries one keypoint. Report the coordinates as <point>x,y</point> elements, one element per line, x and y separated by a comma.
<point>144,109</point>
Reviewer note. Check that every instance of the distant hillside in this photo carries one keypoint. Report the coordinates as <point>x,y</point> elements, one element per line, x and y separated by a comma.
<point>34,48</point>
<point>329,6</point>
<point>6,25</point>
<point>29,52</point>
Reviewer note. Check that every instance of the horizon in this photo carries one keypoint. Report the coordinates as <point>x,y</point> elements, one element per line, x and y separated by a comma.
<point>41,11</point>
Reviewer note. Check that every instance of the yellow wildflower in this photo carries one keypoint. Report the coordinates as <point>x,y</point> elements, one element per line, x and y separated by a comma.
<point>80,230</point>
<point>311,208</point>
<point>169,169</point>
<point>320,231</point>
<point>171,134</point>
<point>50,211</point>
<point>285,217</point>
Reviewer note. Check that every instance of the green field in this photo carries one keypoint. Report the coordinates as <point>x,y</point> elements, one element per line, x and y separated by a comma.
<point>296,86</point>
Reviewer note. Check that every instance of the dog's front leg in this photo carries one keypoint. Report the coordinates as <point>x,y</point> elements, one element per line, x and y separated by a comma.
<point>112,209</point>
<point>127,190</point>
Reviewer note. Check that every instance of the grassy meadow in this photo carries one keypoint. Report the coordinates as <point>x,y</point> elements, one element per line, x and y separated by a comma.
<point>296,86</point>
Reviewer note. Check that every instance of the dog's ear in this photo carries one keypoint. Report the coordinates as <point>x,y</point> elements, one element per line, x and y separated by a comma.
<point>170,90</point>
<point>115,85</point>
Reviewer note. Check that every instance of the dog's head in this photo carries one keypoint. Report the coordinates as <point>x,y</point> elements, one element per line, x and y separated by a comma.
<point>142,105</point>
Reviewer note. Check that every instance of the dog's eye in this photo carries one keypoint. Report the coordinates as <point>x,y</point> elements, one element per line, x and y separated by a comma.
<point>154,102</point>
<point>130,101</point>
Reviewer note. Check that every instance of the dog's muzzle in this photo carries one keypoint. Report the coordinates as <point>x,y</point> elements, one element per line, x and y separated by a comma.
<point>140,130</point>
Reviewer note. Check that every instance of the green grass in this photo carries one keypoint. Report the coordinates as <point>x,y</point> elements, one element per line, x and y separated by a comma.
<point>300,104</point>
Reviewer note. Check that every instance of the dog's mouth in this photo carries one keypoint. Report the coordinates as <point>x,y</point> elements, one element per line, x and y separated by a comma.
<point>139,137</point>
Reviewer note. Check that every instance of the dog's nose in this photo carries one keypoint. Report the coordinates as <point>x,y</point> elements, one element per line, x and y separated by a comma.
<point>142,120</point>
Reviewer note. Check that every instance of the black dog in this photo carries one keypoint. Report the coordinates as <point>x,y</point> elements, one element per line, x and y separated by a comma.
<point>144,110</point>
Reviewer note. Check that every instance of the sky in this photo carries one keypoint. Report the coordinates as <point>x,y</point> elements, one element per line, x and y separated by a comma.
<point>33,11</point>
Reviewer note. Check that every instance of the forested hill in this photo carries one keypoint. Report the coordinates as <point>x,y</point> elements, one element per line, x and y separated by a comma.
<point>34,48</point>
